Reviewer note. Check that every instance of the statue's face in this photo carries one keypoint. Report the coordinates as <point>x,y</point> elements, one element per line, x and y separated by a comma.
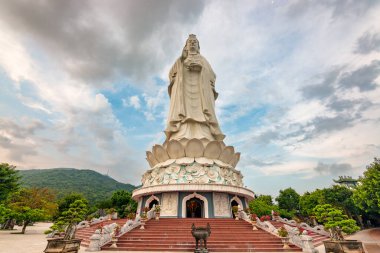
<point>192,44</point>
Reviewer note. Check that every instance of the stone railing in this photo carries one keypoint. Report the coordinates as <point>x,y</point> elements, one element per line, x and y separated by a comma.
<point>128,226</point>
<point>103,236</point>
<point>301,240</point>
<point>83,224</point>
<point>151,214</point>
<point>294,235</point>
<point>319,229</point>
<point>286,221</point>
<point>244,216</point>
<point>267,226</point>
<point>86,224</point>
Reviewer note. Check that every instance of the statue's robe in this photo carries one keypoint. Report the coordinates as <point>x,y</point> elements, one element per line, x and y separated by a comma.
<point>192,102</point>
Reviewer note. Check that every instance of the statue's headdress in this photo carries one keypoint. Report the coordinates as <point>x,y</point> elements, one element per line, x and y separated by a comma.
<point>184,51</point>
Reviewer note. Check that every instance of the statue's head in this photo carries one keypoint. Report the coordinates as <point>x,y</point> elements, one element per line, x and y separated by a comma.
<point>192,46</point>
<point>192,43</point>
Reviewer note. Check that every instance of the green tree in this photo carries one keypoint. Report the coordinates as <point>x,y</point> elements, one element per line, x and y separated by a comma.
<point>5,213</point>
<point>309,200</point>
<point>123,203</point>
<point>265,198</point>
<point>104,204</point>
<point>341,197</point>
<point>367,193</point>
<point>262,205</point>
<point>9,180</point>
<point>288,200</point>
<point>67,200</point>
<point>76,213</point>
<point>31,205</point>
<point>332,218</point>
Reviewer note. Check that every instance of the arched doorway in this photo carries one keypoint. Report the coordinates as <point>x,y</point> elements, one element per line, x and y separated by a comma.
<point>233,203</point>
<point>194,208</point>
<point>152,200</point>
<point>152,203</point>
<point>197,196</point>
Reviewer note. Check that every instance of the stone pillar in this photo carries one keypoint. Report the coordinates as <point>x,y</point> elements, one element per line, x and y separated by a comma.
<point>307,244</point>
<point>95,241</point>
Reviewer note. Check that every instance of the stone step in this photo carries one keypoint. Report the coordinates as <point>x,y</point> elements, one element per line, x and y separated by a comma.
<point>221,249</point>
<point>227,235</point>
<point>210,244</point>
<point>191,239</point>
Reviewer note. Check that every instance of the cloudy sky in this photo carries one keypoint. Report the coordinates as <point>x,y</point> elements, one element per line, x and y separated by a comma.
<point>84,84</point>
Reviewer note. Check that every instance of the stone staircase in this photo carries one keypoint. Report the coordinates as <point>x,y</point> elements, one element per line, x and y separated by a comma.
<point>227,235</point>
<point>317,238</point>
<point>85,233</point>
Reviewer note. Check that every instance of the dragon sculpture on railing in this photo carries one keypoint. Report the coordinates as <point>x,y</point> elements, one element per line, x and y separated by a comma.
<point>301,240</point>
<point>319,229</point>
<point>104,235</point>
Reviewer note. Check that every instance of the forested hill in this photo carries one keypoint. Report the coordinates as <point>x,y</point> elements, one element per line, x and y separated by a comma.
<point>93,185</point>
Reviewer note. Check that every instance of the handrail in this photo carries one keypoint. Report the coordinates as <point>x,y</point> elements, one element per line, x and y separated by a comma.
<point>104,235</point>
<point>319,229</point>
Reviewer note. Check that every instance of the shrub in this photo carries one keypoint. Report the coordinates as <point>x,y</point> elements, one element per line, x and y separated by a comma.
<point>282,232</point>
<point>131,216</point>
<point>265,218</point>
<point>333,218</point>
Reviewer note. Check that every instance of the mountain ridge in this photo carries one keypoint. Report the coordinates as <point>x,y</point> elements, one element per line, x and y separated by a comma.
<point>92,184</point>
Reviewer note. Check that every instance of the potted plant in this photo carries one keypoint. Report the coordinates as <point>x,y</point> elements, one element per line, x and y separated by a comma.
<point>275,215</point>
<point>111,213</point>
<point>338,223</point>
<point>157,209</point>
<point>303,231</point>
<point>265,218</point>
<point>146,210</point>
<point>283,233</point>
<point>131,216</point>
<point>114,239</point>
<point>67,222</point>
<point>235,210</point>
<point>253,218</point>
<point>143,219</point>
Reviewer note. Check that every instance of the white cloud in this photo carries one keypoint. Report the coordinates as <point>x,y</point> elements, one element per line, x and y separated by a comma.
<point>81,129</point>
<point>275,56</point>
<point>290,167</point>
<point>133,101</point>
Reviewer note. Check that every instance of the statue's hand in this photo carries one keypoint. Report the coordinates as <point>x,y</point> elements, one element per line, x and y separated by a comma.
<point>194,66</point>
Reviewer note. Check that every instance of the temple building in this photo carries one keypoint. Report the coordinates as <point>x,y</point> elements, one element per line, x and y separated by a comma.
<point>193,173</point>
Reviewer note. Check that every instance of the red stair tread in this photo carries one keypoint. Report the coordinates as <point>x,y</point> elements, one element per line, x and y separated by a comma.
<point>172,234</point>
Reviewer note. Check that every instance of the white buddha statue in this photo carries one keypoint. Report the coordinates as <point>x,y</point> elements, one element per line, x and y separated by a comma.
<point>192,97</point>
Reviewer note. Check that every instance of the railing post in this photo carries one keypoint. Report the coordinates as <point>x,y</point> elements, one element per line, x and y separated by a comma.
<point>95,241</point>
<point>307,244</point>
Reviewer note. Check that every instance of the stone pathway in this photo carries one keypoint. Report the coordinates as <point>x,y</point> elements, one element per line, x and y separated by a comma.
<point>370,239</point>
<point>33,241</point>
